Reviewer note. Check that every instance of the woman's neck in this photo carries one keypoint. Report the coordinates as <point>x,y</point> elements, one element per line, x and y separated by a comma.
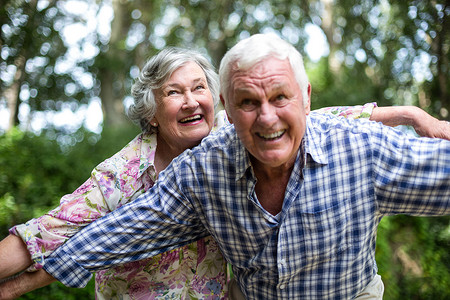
<point>165,153</point>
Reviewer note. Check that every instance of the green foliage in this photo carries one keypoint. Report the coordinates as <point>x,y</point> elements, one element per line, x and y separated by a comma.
<point>413,258</point>
<point>35,172</point>
<point>57,291</point>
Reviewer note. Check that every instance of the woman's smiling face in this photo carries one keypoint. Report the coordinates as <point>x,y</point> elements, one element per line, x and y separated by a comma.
<point>185,108</point>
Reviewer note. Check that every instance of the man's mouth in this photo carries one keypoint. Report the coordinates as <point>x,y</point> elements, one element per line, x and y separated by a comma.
<point>191,119</point>
<point>271,136</point>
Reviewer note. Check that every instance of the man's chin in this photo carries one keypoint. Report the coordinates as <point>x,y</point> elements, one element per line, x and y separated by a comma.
<point>272,160</point>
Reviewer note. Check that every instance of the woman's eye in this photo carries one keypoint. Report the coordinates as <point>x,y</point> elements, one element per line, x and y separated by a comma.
<point>199,87</point>
<point>172,92</point>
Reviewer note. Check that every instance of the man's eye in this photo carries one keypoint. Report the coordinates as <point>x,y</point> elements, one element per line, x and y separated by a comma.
<point>280,100</point>
<point>248,104</point>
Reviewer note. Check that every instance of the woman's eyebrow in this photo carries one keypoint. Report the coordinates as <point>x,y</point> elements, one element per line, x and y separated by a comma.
<point>176,84</point>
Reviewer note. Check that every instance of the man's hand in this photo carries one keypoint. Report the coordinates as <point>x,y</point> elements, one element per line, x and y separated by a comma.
<point>423,123</point>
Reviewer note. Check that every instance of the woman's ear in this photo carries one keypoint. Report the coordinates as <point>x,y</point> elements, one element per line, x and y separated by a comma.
<point>154,122</point>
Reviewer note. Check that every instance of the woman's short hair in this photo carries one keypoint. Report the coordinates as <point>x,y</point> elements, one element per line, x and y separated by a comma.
<point>155,73</point>
<point>254,49</point>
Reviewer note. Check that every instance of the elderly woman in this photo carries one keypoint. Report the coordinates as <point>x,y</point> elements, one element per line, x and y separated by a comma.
<point>174,100</point>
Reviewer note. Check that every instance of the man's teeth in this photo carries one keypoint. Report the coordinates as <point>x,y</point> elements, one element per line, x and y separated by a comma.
<point>273,135</point>
<point>190,119</point>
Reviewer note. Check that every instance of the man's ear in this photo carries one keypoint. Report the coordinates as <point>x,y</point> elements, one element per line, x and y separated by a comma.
<point>222,100</point>
<point>308,102</point>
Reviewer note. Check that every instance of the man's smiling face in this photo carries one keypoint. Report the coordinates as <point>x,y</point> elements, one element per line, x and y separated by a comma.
<point>267,108</point>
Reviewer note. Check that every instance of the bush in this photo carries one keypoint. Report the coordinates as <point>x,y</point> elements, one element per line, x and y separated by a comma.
<point>35,171</point>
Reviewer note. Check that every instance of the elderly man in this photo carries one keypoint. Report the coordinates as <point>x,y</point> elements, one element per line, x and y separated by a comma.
<point>293,198</point>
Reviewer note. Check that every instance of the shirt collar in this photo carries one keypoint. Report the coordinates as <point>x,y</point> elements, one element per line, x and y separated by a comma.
<point>241,156</point>
<point>147,144</point>
<point>313,143</point>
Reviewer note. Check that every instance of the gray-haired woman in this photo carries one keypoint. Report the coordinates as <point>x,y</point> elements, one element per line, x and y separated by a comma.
<point>174,99</point>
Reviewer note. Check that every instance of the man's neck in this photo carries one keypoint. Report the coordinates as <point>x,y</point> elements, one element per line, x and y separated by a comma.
<point>271,186</point>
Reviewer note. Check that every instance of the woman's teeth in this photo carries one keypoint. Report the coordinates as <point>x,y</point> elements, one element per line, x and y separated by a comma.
<point>190,119</point>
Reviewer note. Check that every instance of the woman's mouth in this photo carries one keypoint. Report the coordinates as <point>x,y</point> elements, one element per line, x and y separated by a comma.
<point>191,119</point>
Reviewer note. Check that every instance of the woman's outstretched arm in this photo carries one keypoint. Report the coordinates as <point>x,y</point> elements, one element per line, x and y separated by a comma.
<point>14,256</point>
<point>423,123</point>
<point>24,283</point>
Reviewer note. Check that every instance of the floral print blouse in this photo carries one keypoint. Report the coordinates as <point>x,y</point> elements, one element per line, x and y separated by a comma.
<point>194,271</point>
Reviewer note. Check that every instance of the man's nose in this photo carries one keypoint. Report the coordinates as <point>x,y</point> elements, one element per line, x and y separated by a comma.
<point>267,115</point>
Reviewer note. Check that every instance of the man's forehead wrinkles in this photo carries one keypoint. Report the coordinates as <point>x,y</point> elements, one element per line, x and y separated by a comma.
<point>258,78</point>
<point>273,84</point>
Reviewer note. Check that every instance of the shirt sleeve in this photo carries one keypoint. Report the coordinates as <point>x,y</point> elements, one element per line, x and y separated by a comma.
<point>411,174</point>
<point>158,221</point>
<point>349,112</point>
<point>112,183</point>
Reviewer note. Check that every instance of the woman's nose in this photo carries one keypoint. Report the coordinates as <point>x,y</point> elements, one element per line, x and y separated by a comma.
<point>189,101</point>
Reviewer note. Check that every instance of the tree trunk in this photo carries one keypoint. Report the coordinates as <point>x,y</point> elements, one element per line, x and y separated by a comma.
<point>11,93</point>
<point>442,68</point>
<point>112,72</point>
<point>328,29</point>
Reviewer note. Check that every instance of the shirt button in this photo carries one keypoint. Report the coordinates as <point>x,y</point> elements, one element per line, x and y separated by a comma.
<point>282,286</point>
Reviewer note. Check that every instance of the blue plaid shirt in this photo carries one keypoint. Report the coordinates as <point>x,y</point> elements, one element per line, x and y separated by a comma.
<point>322,243</point>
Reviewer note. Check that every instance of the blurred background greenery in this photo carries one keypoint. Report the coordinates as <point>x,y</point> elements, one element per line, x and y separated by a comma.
<point>66,68</point>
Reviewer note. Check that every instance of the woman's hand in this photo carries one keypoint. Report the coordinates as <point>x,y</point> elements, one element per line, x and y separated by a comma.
<point>24,283</point>
<point>423,123</point>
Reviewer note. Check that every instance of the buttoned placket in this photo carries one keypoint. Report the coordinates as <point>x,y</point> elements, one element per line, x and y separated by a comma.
<point>291,195</point>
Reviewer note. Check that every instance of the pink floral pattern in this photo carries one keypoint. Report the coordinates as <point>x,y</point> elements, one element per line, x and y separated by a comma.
<point>194,271</point>
<point>350,112</point>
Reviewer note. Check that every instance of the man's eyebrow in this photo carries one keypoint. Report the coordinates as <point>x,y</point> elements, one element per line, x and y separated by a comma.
<point>279,85</point>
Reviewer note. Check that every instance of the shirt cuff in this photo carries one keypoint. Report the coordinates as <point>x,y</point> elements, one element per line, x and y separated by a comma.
<point>66,270</point>
<point>367,110</point>
<point>32,245</point>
